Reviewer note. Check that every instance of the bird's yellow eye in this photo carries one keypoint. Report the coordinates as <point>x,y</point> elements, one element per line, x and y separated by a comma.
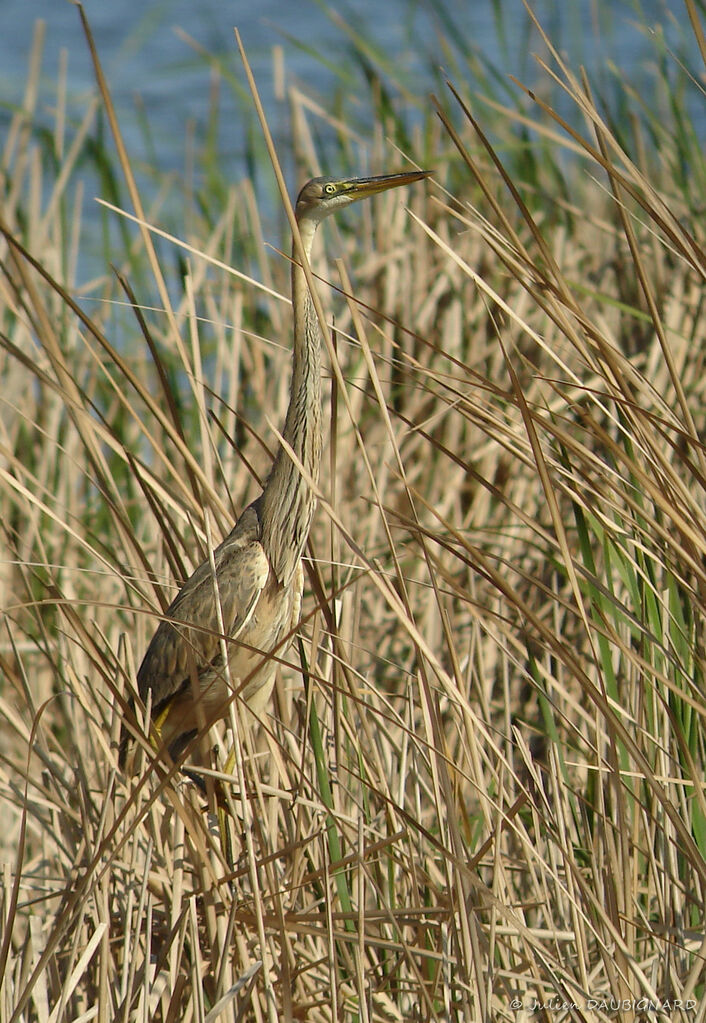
<point>329,189</point>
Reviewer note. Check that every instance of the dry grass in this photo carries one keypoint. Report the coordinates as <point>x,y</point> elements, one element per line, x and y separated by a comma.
<point>481,784</point>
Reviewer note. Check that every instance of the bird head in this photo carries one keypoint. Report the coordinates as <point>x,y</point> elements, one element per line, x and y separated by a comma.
<point>323,196</point>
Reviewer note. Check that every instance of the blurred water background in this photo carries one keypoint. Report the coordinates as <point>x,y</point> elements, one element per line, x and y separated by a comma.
<point>175,74</point>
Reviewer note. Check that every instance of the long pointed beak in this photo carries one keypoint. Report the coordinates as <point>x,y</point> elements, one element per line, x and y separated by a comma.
<point>361,188</point>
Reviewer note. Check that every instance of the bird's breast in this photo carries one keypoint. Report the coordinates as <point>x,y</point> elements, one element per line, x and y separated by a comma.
<point>263,643</point>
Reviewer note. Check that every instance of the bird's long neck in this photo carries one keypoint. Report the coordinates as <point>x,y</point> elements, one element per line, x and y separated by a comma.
<point>288,501</point>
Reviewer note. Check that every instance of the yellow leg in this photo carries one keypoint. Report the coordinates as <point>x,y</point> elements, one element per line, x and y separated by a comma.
<point>226,844</point>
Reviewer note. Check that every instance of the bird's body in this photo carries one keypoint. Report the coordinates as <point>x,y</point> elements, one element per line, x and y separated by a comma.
<point>254,597</point>
<point>257,613</point>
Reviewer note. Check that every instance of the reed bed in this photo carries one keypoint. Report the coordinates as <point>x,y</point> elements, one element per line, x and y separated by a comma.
<point>480,792</point>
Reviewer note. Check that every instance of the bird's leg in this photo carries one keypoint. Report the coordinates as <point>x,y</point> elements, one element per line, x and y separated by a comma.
<point>156,726</point>
<point>229,766</point>
<point>242,719</point>
<point>224,813</point>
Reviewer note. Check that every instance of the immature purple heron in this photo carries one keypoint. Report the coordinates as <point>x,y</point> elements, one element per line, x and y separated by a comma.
<point>258,573</point>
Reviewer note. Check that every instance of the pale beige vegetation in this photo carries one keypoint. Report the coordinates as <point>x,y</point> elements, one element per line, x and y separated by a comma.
<point>481,782</point>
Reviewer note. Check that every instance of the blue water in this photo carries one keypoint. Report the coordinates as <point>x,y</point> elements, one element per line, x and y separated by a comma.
<point>154,73</point>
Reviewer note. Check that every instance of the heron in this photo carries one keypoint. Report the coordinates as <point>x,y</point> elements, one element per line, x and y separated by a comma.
<point>251,590</point>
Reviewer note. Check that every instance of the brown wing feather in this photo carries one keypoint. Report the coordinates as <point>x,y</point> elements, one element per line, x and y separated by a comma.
<point>191,628</point>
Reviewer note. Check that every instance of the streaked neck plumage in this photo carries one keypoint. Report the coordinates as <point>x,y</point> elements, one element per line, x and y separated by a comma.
<point>288,502</point>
